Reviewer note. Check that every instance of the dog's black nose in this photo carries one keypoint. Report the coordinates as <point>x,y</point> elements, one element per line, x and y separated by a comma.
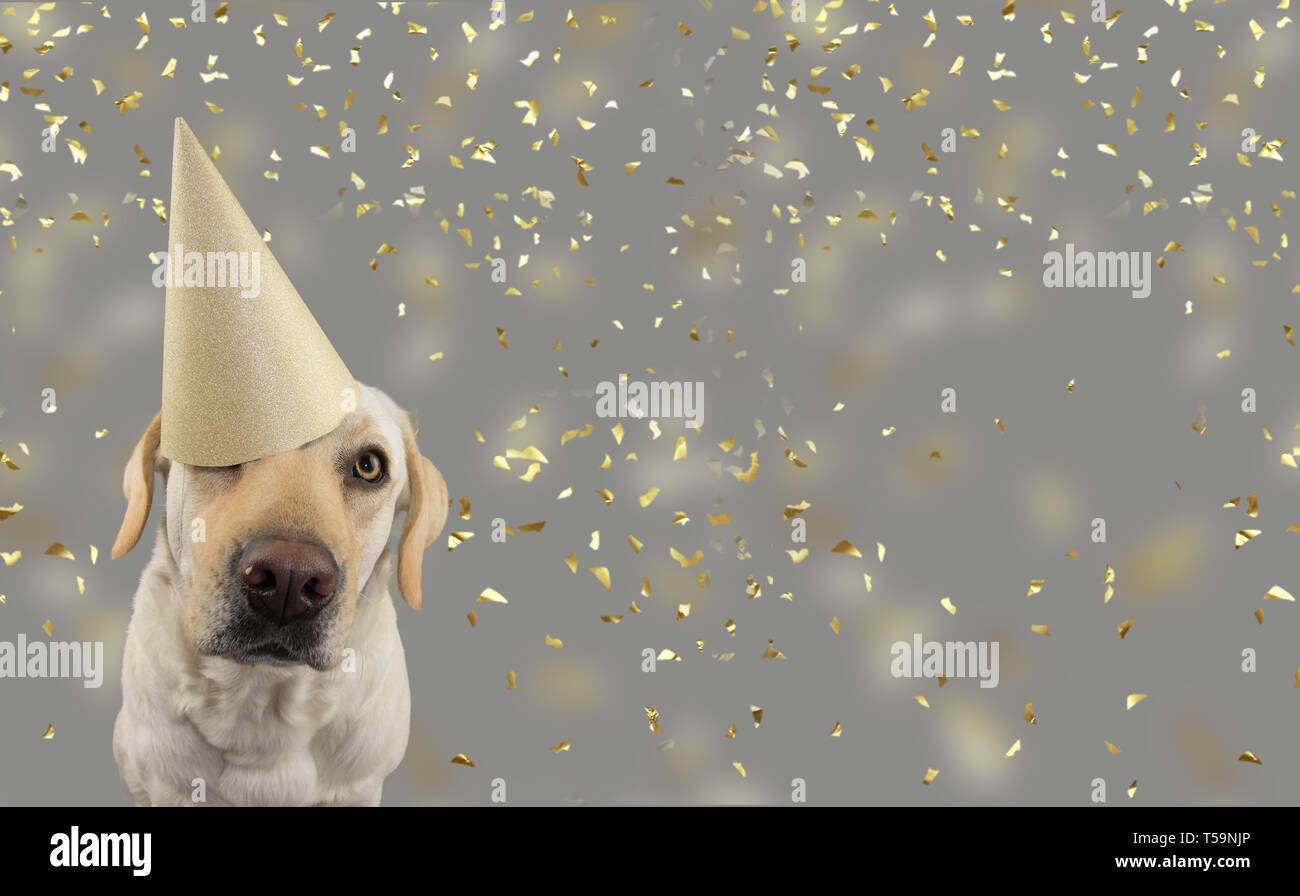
<point>287,580</point>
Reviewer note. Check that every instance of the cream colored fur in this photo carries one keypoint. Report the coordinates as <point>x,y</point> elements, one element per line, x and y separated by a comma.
<point>199,729</point>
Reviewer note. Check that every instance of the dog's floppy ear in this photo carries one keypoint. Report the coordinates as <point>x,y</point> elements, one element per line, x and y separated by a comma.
<point>426,512</point>
<point>137,485</point>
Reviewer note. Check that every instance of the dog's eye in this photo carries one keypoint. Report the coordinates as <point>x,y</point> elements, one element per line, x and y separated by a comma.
<point>369,467</point>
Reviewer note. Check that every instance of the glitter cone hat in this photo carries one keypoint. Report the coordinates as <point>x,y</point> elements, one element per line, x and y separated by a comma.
<point>247,371</point>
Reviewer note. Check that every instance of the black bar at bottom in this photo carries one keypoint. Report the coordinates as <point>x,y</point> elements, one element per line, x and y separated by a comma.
<point>302,847</point>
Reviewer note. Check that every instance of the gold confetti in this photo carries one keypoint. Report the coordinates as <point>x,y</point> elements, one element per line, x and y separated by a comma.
<point>1248,756</point>
<point>846,547</point>
<point>930,775</point>
<point>49,733</point>
<point>1200,426</point>
<point>58,550</point>
<point>554,642</point>
<point>491,595</point>
<point>681,558</point>
<point>461,759</point>
<point>1015,748</point>
<point>1029,713</point>
<point>1277,592</point>
<point>1134,699</point>
<point>561,747</point>
<point>793,510</point>
<point>752,473</point>
<point>915,100</point>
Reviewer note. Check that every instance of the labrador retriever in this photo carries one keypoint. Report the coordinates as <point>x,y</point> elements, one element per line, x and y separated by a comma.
<point>262,663</point>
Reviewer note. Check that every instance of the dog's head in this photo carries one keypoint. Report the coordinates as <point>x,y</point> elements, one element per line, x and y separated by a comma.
<point>273,554</point>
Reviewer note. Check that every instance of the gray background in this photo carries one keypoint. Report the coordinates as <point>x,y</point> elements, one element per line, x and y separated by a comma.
<point>881,328</point>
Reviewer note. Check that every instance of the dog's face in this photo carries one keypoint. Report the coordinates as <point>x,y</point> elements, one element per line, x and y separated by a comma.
<point>273,553</point>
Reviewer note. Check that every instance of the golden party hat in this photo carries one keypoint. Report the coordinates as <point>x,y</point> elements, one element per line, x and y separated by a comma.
<point>247,371</point>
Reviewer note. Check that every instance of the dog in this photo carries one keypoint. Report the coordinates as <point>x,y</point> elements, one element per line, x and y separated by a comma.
<point>262,663</point>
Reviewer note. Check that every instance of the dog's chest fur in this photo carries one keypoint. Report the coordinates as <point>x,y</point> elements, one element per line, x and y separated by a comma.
<point>274,729</point>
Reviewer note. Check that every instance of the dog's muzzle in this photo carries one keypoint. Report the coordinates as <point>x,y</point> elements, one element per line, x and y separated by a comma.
<point>283,584</point>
